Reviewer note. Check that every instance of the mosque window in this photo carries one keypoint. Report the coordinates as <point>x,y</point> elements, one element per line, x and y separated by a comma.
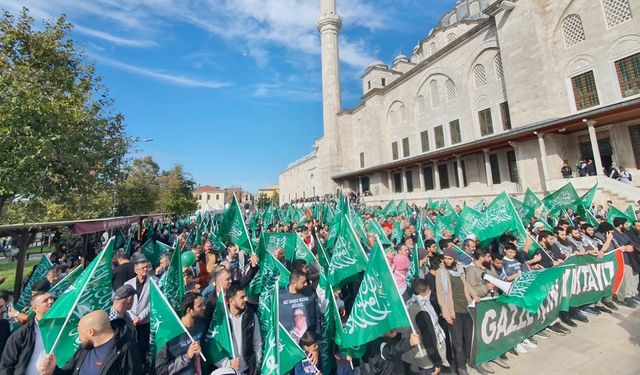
<point>506,115</point>
<point>420,103</point>
<point>453,19</point>
<point>433,48</point>
<point>497,65</point>
<point>585,92</point>
<point>362,160</point>
<point>424,140</point>
<point>450,89</point>
<point>616,12</point>
<point>439,134</point>
<point>451,37</point>
<point>384,82</point>
<point>454,129</point>
<point>368,85</point>
<point>479,76</point>
<point>628,71</point>
<point>435,100</point>
<point>394,150</point>
<point>572,30</point>
<point>406,152</point>
<point>474,8</point>
<point>486,124</point>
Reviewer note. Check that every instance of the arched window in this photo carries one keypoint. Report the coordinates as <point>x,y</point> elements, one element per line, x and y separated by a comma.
<point>453,19</point>
<point>433,48</point>
<point>572,30</point>
<point>451,37</point>
<point>474,8</point>
<point>403,113</point>
<point>435,94</point>
<point>450,89</point>
<point>479,76</point>
<point>497,65</point>
<point>420,105</point>
<point>616,11</point>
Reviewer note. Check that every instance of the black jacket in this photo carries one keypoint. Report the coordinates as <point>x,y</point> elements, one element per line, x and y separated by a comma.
<point>384,355</point>
<point>5,332</point>
<point>18,350</point>
<point>248,328</point>
<point>124,357</point>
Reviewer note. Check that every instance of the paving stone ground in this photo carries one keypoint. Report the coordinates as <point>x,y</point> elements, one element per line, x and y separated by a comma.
<point>608,344</point>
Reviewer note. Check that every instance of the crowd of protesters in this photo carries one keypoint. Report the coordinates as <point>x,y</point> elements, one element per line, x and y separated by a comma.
<point>117,341</point>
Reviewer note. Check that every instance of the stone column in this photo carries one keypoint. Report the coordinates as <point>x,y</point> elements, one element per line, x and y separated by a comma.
<point>487,166</point>
<point>390,182</point>
<point>421,176</point>
<point>460,171</point>
<point>543,160</point>
<point>436,175</point>
<point>404,180</point>
<point>595,147</point>
<point>360,185</point>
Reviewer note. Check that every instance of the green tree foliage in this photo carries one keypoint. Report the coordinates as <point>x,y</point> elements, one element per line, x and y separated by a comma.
<point>59,139</point>
<point>176,187</point>
<point>139,191</point>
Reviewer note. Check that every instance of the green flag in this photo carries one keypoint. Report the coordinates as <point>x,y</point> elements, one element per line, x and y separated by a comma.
<point>531,288</point>
<point>165,323</point>
<point>376,228</point>
<point>302,251</point>
<point>91,291</point>
<point>62,285</point>
<point>172,282</point>
<point>44,265</point>
<point>269,241</point>
<point>348,256</point>
<point>378,307</point>
<point>499,217</point>
<point>414,268</point>
<point>390,209</point>
<point>232,228</point>
<point>270,268</point>
<point>587,198</point>
<point>531,200</point>
<point>153,251</point>
<point>397,235</point>
<point>616,212</point>
<point>281,358</point>
<point>563,198</point>
<point>219,343</point>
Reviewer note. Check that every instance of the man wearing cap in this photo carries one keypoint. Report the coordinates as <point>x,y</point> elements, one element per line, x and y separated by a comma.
<point>122,303</point>
<point>139,311</point>
<point>454,295</point>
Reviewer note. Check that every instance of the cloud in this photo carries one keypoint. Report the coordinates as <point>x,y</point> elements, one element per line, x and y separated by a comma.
<point>114,39</point>
<point>165,77</point>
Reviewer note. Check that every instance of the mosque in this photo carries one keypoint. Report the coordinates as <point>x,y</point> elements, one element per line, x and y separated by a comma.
<point>495,98</point>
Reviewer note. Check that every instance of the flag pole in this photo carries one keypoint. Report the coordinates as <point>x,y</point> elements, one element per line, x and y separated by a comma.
<point>226,312</point>
<point>277,317</point>
<point>176,316</point>
<point>404,308</point>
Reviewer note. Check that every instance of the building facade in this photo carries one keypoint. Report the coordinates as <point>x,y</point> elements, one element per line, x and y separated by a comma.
<point>209,198</point>
<point>494,99</point>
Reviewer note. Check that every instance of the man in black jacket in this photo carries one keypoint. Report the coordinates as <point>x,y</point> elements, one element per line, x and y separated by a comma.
<point>24,349</point>
<point>384,354</point>
<point>106,348</point>
<point>245,331</point>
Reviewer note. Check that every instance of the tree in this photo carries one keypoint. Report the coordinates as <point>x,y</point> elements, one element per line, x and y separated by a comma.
<point>275,198</point>
<point>176,187</point>
<point>139,190</point>
<point>58,135</point>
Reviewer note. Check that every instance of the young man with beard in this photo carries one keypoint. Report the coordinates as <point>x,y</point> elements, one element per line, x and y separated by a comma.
<point>181,356</point>
<point>245,333</point>
<point>585,247</point>
<point>475,272</point>
<point>299,305</point>
<point>454,295</point>
<point>629,287</point>
<point>106,348</point>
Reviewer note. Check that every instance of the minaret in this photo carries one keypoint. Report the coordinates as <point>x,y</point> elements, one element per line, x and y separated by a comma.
<point>329,26</point>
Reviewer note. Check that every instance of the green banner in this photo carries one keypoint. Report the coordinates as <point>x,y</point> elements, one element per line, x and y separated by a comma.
<point>499,327</point>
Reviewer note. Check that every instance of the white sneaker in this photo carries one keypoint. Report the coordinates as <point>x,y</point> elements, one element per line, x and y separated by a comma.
<point>520,349</point>
<point>527,343</point>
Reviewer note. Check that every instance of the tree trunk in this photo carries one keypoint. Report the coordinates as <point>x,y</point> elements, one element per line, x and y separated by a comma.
<point>23,238</point>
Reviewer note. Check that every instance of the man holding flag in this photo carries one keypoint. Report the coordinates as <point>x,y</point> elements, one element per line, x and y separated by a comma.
<point>181,354</point>
<point>243,324</point>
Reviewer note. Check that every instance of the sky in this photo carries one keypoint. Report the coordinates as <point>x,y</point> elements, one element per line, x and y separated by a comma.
<point>231,89</point>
